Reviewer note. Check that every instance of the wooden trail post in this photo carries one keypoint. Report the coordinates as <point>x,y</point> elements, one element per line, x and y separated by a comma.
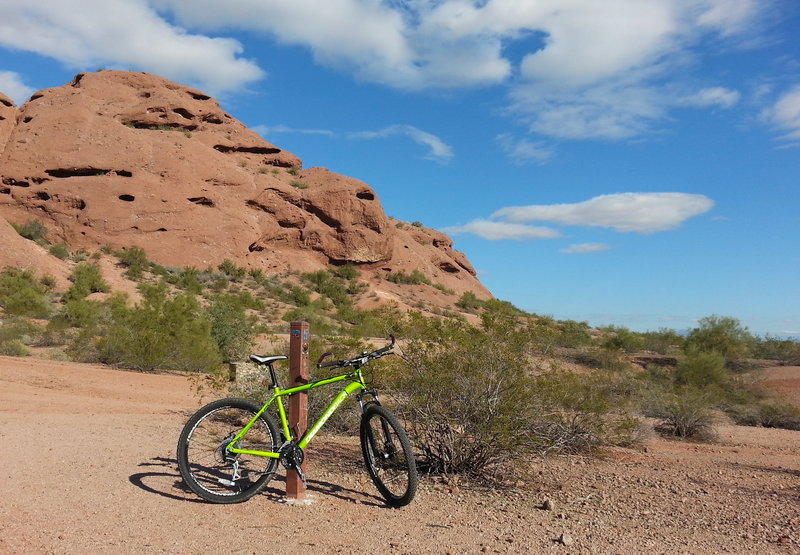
<point>298,403</point>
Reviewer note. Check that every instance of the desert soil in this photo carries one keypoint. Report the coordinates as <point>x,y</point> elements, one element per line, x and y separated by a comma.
<point>88,465</point>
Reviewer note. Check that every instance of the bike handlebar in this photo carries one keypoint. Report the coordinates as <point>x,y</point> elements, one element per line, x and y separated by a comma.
<point>359,360</point>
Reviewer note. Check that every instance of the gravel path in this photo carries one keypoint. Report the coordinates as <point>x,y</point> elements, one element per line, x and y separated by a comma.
<point>88,465</point>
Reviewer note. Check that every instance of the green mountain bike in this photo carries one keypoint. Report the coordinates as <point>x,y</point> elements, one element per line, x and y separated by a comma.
<point>230,449</point>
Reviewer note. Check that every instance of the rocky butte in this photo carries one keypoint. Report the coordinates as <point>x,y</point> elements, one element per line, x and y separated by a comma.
<point>121,158</point>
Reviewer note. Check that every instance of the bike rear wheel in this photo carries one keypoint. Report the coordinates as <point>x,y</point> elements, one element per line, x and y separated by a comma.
<point>209,469</point>
<point>388,456</point>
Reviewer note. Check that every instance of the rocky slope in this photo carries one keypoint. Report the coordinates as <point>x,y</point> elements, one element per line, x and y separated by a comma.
<point>120,158</point>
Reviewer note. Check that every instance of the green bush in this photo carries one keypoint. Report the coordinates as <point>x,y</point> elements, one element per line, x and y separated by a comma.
<point>189,280</point>
<point>414,278</point>
<point>13,348</point>
<point>232,271</point>
<point>22,295</point>
<point>469,301</point>
<point>686,413</point>
<point>135,260</point>
<point>33,230</point>
<point>574,334</point>
<point>230,328</point>
<point>347,271</point>
<point>622,339</point>
<point>86,278</point>
<point>472,406</point>
<point>162,333</point>
<point>60,250</point>
<point>723,335</point>
<point>702,369</point>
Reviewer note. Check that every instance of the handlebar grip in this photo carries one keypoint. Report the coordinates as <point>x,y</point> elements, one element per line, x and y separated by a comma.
<point>383,350</point>
<point>332,363</point>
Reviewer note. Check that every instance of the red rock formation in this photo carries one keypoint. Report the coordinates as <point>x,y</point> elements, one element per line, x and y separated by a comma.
<point>121,158</point>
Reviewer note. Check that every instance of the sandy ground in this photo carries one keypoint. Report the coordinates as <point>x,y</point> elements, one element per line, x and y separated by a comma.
<point>88,465</point>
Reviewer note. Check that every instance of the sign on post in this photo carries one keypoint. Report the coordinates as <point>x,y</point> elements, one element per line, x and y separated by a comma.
<point>298,403</point>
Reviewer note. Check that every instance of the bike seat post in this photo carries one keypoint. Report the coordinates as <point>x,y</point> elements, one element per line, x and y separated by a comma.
<point>272,375</point>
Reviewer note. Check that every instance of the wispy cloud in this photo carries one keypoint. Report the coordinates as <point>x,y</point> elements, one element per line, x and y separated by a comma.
<point>502,230</point>
<point>267,130</point>
<point>784,115</point>
<point>523,151</point>
<point>713,96</point>
<point>11,84</point>
<point>585,248</point>
<point>436,148</point>
<point>624,212</point>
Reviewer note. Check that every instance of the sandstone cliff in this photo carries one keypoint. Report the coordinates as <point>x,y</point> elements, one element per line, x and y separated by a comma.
<point>122,158</point>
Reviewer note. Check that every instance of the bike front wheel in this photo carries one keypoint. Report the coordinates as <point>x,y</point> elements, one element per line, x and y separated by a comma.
<point>209,469</point>
<point>388,456</point>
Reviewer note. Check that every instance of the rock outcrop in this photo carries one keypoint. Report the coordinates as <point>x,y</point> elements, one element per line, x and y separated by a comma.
<point>121,158</point>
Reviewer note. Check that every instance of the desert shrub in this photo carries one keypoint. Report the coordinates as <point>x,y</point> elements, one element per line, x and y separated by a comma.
<point>574,334</point>
<point>162,332</point>
<point>135,260</point>
<point>663,341</point>
<point>503,308</point>
<point>230,327</point>
<point>86,278</point>
<point>414,278</point>
<point>296,183</point>
<point>60,250</point>
<point>469,301</point>
<point>13,348</point>
<point>723,335</point>
<point>702,369</point>
<point>22,295</point>
<point>687,413</point>
<point>81,313</point>
<point>324,283</point>
<point>622,339</point>
<point>472,405</point>
<point>786,351</point>
<point>189,280</point>
<point>347,271</point>
<point>33,230</point>
<point>232,271</point>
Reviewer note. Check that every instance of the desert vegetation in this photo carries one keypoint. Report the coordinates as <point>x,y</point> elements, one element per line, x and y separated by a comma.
<point>481,387</point>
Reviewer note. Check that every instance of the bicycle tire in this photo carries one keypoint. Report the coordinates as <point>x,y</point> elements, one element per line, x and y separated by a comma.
<point>388,456</point>
<point>205,466</point>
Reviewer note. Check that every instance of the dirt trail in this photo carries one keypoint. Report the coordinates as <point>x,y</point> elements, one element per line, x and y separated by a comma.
<point>88,465</point>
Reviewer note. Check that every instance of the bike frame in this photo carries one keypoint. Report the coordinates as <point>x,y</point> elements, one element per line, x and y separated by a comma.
<point>357,384</point>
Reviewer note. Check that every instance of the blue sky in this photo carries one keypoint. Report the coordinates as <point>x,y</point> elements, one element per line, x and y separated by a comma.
<point>626,162</point>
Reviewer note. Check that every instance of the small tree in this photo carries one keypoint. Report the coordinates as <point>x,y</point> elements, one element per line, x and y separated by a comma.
<point>230,327</point>
<point>723,335</point>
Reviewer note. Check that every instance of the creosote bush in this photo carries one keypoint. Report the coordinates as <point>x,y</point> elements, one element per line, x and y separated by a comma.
<point>472,404</point>
<point>22,295</point>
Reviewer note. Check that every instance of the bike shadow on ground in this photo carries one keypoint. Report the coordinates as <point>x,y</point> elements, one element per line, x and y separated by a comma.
<point>170,485</point>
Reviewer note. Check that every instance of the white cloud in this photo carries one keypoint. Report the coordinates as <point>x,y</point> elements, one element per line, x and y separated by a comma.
<point>785,114</point>
<point>523,151</point>
<point>624,212</point>
<point>11,85</point>
<point>266,130</point>
<point>502,230</point>
<point>585,248</point>
<point>124,33</point>
<point>713,96</point>
<point>580,69</point>
<point>438,149</point>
